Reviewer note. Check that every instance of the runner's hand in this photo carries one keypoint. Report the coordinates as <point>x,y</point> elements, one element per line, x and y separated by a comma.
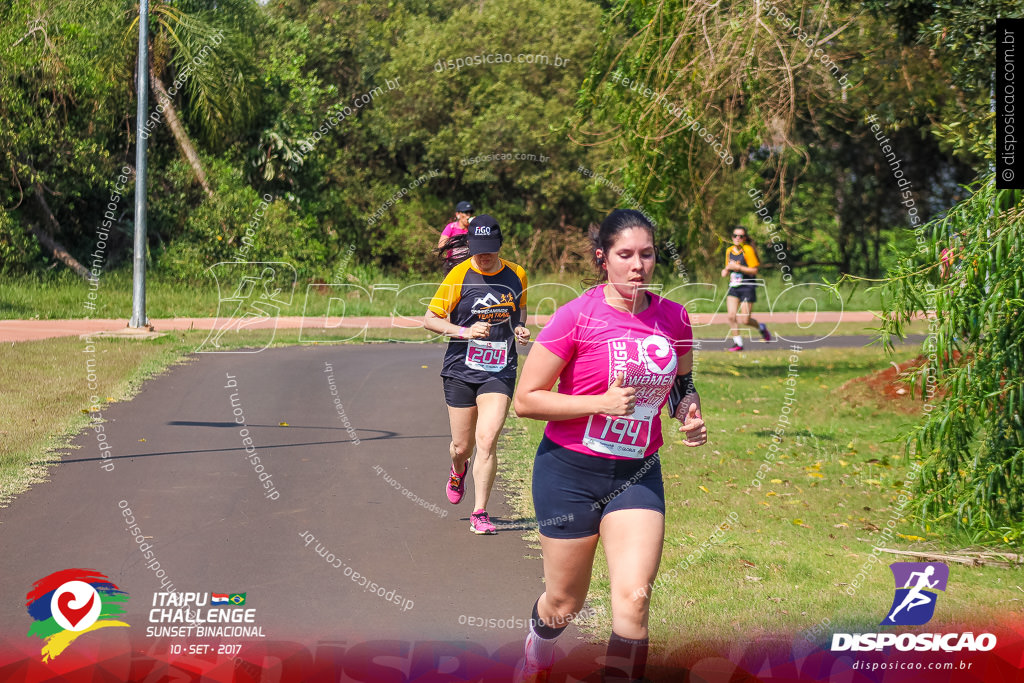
<point>480,330</point>
<point>693,425</point>
<point>618,400</point>
<point>522,333</point>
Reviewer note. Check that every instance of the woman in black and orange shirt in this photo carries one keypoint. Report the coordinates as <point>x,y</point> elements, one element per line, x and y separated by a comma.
<point>481,305</point>
<point>741,266</point>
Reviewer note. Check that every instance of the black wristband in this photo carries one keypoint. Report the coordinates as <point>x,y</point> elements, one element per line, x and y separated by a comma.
<point>681,388</point>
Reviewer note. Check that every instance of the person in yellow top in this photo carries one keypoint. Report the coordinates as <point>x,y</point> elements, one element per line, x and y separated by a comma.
<point>481,306</point>
<point>741,266</point>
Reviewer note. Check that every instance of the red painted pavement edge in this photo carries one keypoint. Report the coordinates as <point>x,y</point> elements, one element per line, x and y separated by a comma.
<point>26,330</point>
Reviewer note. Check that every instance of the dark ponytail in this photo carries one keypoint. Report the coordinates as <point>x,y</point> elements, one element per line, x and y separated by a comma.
<point>455,242</point>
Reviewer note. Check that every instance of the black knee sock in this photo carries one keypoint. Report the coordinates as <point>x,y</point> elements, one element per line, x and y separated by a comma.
<point>540,642</point>
<point>540,628</point>
<point>626,659</point>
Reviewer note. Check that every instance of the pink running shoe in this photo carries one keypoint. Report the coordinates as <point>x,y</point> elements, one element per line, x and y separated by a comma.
<point>528,672</point>
<point>480,523</point>
<point>765,334</point>
<point>456,485</point>
<point>737,347</point>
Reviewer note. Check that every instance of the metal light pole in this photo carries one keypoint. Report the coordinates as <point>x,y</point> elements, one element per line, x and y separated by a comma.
<point>139,319</point>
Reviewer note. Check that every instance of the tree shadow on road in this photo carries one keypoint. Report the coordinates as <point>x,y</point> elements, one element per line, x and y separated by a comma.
<point>381,434</point>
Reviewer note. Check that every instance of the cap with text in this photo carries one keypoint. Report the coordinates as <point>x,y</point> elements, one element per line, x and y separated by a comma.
<point>484,235</point>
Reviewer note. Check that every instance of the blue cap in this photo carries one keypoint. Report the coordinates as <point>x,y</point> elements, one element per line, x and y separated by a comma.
<point>484,235</point>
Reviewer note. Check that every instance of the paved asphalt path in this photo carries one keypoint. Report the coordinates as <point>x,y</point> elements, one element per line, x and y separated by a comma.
<point>182,469</point>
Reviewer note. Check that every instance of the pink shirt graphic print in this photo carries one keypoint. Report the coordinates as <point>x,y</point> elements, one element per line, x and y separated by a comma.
<point>599,342</point>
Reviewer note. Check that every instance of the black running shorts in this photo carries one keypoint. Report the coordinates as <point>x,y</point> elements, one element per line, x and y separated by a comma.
<point>572,491</point>
<point>744,293</point>
<point>461,394</point>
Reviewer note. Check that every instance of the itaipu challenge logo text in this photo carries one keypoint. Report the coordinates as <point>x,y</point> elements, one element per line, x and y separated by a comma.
<point>69,603</point>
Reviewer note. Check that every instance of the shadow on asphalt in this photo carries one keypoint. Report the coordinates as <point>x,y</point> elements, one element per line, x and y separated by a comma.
<point>383,435</point>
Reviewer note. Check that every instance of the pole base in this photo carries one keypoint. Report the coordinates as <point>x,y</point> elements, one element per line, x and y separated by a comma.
<point>146,332</point>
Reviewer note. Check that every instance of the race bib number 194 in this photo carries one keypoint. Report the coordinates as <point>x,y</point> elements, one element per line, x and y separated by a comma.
<point>625,437</point>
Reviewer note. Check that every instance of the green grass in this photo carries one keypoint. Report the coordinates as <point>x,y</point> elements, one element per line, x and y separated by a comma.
<point>62,295</point>
<point>793,330</point>
<point>792,547</point>
<point>339,335</point>
<point>47,396</point>
<point>28,439</point>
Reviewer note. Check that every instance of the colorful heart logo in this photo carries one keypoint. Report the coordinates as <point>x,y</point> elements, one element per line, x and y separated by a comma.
<point>70,613</point>
<point>75,605</point>
<point>67,603</point>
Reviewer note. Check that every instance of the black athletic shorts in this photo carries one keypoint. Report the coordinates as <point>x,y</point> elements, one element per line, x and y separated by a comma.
<point>572,491</point>
<point>462,394</point>
<point>744,293</point>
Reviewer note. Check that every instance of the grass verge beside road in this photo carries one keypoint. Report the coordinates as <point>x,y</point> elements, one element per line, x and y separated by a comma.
<point>47,397</point>
<point>60,296</point>
<point>46,392</point>
<point>790,550</point>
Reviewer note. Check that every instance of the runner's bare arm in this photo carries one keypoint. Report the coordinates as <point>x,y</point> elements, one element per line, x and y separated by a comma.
<point>534,398</point>
<point>520,329</point>
<point>436,323</point>
<point>688,411</point>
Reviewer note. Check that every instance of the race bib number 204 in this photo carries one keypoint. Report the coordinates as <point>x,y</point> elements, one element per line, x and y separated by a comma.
<point>489,356</point>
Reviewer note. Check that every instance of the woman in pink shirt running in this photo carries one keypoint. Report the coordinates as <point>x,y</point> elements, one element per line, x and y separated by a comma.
<point>618,353</point>
<point>453,244</point>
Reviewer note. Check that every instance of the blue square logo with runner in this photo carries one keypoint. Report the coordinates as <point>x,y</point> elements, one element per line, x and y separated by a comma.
<point>917,584</point>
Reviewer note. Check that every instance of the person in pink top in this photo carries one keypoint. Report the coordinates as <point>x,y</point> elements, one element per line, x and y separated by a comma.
<point>618,354</point>
<point>453,244</point>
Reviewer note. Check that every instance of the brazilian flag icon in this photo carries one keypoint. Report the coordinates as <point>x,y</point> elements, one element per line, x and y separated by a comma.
<point>237,598</point>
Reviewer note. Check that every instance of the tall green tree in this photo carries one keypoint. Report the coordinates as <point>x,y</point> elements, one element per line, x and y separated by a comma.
<point>788,89</point>
<point>961,35</point>
<point>967,274</point>
<point>201,49</point>
<point>488,83</point>
<point>62,130</point>
<point>691,93</point>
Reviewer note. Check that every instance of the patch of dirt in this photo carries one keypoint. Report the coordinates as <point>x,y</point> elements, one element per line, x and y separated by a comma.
<point>891,387</point>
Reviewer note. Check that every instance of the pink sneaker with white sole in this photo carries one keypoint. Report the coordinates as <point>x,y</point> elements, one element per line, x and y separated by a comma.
<point>456,484</point>
<point>480,523</point>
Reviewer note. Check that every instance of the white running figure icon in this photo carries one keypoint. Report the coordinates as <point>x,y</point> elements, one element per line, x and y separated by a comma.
<point>915,598</point>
